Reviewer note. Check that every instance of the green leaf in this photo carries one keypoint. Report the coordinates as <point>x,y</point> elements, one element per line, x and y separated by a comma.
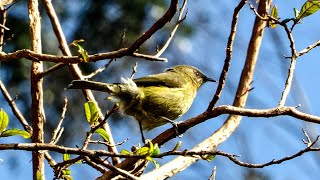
<point>91,111</point>
<point>151,147</point>
<point>208,157</point>
<point>144,151</point>
<point>296,12</point>
<point>14,131</point>
<point>308,8</point>
<point>103,133</point>
<point>83,54</point>
<point>156,164</point>
<point>125,152</point>
<point>66,157</point>
<point>67,177</point>
<point>274,14</point>
<point>156,150</point>
<point>66,172</point>
<point>4,120</point>
<point>39,176</point>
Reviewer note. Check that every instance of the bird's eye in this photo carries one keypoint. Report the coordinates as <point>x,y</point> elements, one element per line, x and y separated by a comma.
<point>197,73</point>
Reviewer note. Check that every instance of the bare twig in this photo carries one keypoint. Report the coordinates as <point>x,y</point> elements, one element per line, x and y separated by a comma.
<point>289,79</point>
<point>94,128</point>
<point>134,70</point>
<point>119,171</point>
<point>52,69</point>
<point>3,26</point>
<point>99,70</point>
<point>94,165</point>
<point>213,174</point>
<point>108,144</point>
<point>58,167</point>
<point>309,48</point>
<point>227,60</point>
<point>15,109</point>
<point>57,132</point>
<point>179,20</point>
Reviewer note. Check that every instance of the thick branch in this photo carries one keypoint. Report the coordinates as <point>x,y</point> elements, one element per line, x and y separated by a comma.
<point>37,111</point>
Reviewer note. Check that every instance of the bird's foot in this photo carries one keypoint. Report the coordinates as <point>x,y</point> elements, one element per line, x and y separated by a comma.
<point>174,124</point>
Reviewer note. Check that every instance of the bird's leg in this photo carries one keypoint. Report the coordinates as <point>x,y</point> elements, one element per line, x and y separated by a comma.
<point>174,124</point>
<point>141,131</point>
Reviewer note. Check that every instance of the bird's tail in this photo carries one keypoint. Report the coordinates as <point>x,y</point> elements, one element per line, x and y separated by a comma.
<point>97,86</point>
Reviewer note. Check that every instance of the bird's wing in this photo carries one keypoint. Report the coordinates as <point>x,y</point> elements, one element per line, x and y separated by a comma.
<point>163,79</point>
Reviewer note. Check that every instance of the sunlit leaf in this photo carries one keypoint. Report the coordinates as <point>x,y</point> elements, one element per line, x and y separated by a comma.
<point>83,54</point>
<point>4,120</point>
<point>66,172</point>
<point>156,150</point>
<point>125,152</point>
<point>14,131</point>
<point>296,12</point>
<point>274,14</point>
<point>308,8</point>
<point>103,133</point>
<point>39,176</point>
<point>156,164</point>
<point>91,111</point>
<point>208,157</point>
<point>144,151</point>
<point>66,157</point>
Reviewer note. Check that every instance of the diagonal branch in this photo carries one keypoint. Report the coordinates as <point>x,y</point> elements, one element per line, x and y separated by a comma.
<point>227,60</point>
<point>15,109</point>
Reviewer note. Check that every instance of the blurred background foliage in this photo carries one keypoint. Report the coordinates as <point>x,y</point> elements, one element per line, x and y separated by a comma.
<point>200,41</point>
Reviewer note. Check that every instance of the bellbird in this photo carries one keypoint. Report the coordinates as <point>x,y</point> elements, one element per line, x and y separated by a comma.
<point>156,99</point>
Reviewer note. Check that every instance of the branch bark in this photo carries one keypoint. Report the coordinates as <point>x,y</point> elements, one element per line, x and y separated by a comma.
<point>38,116</point>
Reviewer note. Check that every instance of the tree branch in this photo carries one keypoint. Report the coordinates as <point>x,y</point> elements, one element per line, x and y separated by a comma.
<point>227,60</point>
<point>37,111</point>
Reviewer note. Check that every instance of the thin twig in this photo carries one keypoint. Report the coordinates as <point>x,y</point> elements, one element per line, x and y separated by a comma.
<point>291,70</point>
<point>59,130</point>
<point>15,109</point>
<point>94,165</point>
<point>213,174</point>
<point>119,171</point>
<point>108,144</point>
<point>134,70</point>
<point>179,20</point>
<point>227,60</point>
<point>52,69</point>
<point>94,128</point>
<point>99,70</point>
<point>309,48</point>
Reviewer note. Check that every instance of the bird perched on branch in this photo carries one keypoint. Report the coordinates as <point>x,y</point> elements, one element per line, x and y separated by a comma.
<point>156,99</point>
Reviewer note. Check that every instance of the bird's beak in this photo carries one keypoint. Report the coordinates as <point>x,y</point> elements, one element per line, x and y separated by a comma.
<point>206,79</point>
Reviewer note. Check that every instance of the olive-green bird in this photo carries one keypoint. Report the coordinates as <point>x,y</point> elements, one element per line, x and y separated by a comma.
<point>156,99</point>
